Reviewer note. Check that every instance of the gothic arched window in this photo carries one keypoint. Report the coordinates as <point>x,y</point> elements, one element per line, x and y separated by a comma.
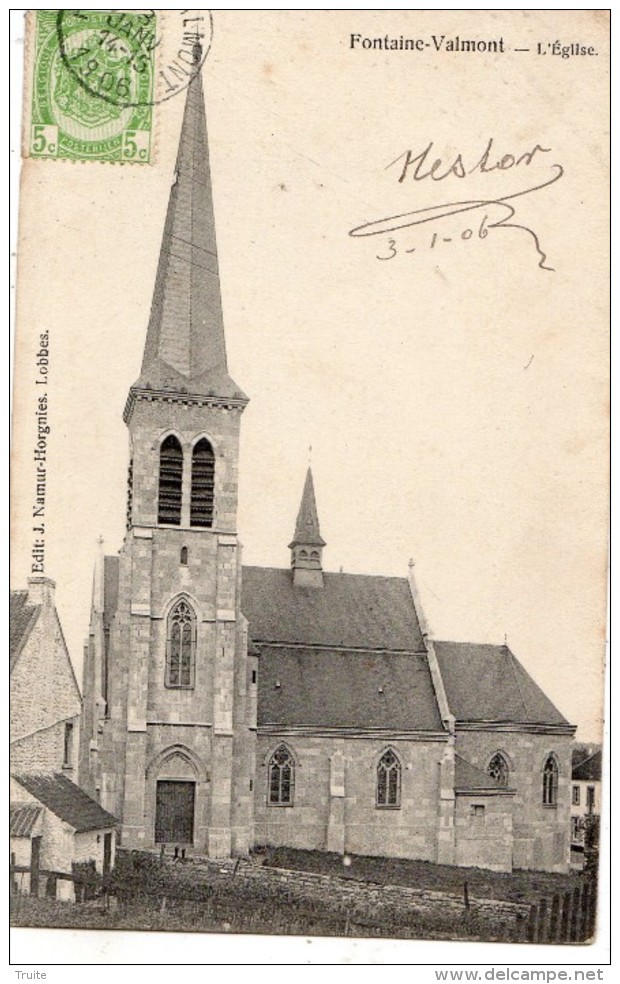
<point>550,781</point>
<point>181,645</point>
<point>170,482</point>
<point>498,769</point>
<point>281,777</point>
<point>388,779</point>
<point>203,484</point>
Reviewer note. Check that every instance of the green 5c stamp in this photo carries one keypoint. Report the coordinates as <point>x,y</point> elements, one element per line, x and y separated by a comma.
<point>92,95</point>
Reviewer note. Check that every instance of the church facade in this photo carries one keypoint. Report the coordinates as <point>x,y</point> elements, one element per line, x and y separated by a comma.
<point>227,707</point>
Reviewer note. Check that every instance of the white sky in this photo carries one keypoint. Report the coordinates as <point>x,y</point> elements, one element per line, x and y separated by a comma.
<point>455,398</point>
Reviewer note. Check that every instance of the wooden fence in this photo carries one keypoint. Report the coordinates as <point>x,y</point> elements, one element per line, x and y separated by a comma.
<point>568,917</point>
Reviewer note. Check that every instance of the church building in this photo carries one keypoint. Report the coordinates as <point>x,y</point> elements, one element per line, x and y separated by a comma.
<point>227,707</point>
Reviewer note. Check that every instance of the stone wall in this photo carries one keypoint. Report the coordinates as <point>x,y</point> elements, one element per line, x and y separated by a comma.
<point>541,833</point>
<point>88,846</point>
<point>483,832</point>
<point>44,691</point>
<point>409,831</point>
<point>370,901</point>
<point>149,720</point>
<point>43,751</point>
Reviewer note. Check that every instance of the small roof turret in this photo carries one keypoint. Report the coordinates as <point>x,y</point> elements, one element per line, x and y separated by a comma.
<point>307,544</point>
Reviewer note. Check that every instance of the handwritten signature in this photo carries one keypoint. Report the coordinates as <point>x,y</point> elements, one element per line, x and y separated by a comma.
<point>433,213</point>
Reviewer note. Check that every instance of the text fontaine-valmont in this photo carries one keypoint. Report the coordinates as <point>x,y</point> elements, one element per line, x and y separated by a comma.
<point>437,42</point>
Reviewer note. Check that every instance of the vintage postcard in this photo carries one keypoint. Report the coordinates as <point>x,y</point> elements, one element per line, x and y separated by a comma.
<point>309,475</point>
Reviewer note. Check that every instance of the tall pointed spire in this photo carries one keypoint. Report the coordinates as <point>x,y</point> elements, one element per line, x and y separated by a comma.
<point>185,346</point>
<point>307,544</point>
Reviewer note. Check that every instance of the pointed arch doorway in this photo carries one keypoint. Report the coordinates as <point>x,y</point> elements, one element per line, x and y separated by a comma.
<point>177,782</point>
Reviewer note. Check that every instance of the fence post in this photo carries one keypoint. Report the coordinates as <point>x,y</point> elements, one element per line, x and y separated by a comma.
<point>565,924</point>
<point>574,915</point>
<point>554,919</point>
<point>586,893</point>
<point>466,894</point>
<point>532,924</point>
<point>543,928</point>
<point>591,922</point>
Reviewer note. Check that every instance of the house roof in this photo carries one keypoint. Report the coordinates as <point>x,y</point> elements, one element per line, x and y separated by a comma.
<point>469,778</point>
<point>352,611</point>
<point>344,689</point>
<point>22,818</point>
<point>487,683</point>
<point>67,801</point>
<point>589,768</point>
<point>22,618</point>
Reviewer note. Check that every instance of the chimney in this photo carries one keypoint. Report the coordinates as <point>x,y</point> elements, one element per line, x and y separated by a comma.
<point>41,591</point>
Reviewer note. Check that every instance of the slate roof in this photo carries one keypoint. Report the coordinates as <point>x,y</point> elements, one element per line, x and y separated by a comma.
<point>340,689</point>
<point>590,768</point>
<point>307,529</point>
<point>22,818</point>
<point>469,778</point>
<point>487,683</point>
<point>67,801</point>
<point>22,618</point>
<point>352,611</point>
<point>185,349</point>
<point>325,681</point>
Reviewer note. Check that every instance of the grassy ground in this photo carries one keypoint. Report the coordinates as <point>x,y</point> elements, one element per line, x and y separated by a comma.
<point>190,897</point>
<point>516,886</point>
<point>241,914</point>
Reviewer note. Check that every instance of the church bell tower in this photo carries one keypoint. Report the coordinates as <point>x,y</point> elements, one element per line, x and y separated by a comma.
<point>179,732</point>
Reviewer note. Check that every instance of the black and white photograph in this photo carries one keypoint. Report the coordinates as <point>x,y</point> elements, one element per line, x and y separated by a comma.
<point>310,477</point>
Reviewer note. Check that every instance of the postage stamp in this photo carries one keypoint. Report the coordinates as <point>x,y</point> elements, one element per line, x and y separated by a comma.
<point>93,85</point>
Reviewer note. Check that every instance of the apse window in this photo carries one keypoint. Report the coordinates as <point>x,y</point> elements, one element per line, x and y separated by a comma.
<point>550,782</point>
<point>498,769</point>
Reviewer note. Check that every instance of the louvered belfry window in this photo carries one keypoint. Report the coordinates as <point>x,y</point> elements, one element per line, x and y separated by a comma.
<point>170,482</point>
<point>181,646</point>
<point>388,779</point>
<point>203,484</point>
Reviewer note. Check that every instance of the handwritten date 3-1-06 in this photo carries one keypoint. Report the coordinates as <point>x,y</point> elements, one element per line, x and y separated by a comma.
<point>493,212</point>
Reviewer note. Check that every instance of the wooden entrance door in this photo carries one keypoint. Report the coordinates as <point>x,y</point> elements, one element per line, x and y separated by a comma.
<point>35,859</point>
<point>174,812</point>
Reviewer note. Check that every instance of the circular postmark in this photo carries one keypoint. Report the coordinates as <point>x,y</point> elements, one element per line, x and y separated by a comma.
<point>108,57</point>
